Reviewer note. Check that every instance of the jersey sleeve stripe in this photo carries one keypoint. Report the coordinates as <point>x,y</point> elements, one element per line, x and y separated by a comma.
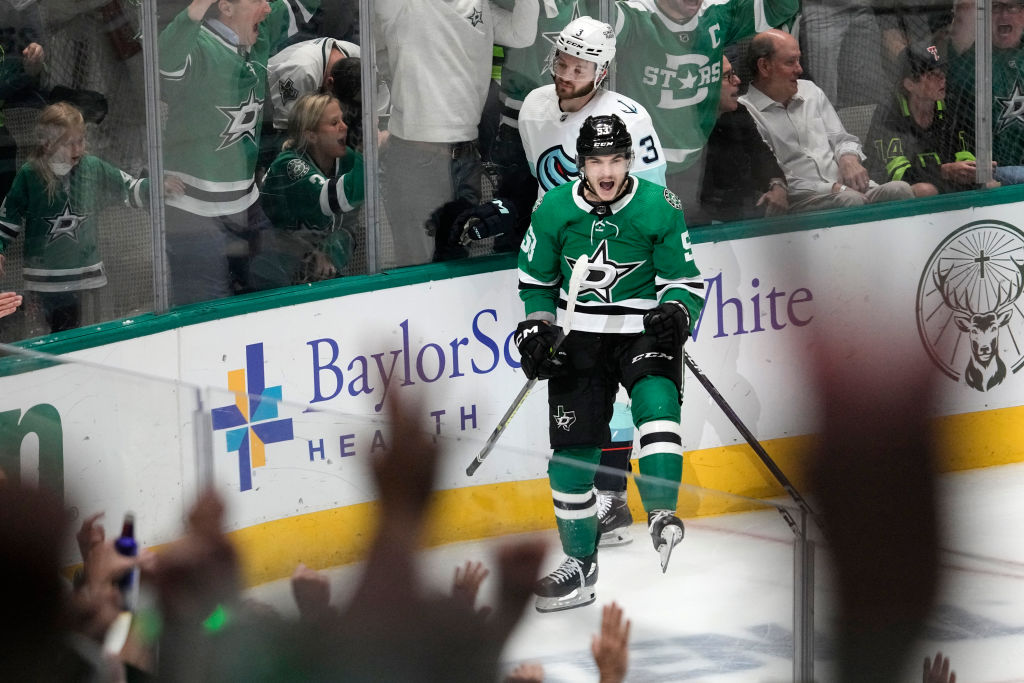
<point>135,198</point>
<point>760,18</point>
<point>9,231</point>
<point>528,281</point>
<point>180,73</point>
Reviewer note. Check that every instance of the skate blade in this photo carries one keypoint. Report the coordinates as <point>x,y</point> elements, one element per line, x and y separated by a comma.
<point>615,537</point>
<point>575,599</point>
<point>671,535</point>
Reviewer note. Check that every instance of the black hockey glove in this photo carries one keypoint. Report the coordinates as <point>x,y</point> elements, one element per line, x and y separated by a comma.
<point>536,341</point>
<point>489,219</point>
<point>669,323</point>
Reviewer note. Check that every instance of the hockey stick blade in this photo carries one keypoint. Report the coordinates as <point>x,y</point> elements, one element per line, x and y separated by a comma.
<point>671,535</point>
<point>579,273</point>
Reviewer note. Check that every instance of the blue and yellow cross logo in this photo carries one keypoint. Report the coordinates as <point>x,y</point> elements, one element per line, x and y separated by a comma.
<point>252,420</point>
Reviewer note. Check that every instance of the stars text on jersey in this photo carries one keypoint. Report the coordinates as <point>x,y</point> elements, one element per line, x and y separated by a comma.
<point>681,75</point>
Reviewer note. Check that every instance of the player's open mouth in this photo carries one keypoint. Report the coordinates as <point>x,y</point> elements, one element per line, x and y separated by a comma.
<point>1004,29</point>
<point>607,185</point>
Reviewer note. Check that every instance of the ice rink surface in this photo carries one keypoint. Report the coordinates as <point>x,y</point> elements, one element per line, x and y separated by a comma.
<point>723,611</point>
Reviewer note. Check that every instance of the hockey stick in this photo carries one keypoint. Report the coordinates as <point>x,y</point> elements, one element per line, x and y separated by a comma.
<point>579,272</point>
<point>779,475</point>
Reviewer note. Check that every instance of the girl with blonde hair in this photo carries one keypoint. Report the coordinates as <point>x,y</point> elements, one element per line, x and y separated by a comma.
<point>55,202</point>
<point>314,181</point>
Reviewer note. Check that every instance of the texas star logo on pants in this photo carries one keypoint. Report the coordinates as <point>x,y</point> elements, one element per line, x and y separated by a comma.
<point>564,420</point>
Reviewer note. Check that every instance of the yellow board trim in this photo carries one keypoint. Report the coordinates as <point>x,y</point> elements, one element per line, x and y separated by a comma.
<point>330,538</point>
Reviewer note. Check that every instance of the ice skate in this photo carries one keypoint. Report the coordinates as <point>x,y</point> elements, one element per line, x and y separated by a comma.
<point>571,585</point>
<point>613,519</point>
<point>666,531</point>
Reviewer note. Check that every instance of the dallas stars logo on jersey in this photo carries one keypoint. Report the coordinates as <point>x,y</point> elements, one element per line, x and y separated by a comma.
<point>241,121</point>
<point>603,273</point>
<point>288,90</point>
<point>1012,108</point>
<point>640,255</point>
<point>65,224</point>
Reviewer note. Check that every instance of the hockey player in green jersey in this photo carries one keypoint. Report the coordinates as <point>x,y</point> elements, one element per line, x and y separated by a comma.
<point>314,180</point>
<point>213,67</point>
<point>548,125</point>
<point>641,294</point>
<point>55,202</point>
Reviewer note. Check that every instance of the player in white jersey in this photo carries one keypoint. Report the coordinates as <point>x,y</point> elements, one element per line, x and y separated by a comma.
<point>550,120</point>
<point>549,124</point>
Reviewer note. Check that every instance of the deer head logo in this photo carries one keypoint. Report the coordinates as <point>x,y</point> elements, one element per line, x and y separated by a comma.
<point>967,306</point>
<point>985,369</point>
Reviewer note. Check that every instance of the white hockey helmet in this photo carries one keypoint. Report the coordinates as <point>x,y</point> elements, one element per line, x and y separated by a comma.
<point>588,39</point>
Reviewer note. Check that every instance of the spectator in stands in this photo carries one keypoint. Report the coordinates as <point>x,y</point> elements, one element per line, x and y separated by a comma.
<point>821,160</point>
<point>314,180</point>
<point>916,138</point>
<point>843,55</point>
<point>742,179</point>
<point>906,22</point>
<point>346,84</point>
<point>20,66</point>
<point>214,83</point>
<point>438,89</point>
<point>55,201</point>
<point>1007,81</point>
<point>300,69</point>
<point>670,55</point>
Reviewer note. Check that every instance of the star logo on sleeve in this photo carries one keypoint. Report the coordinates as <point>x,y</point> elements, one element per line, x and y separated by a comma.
<point>603,273</point>
<point>241,121</point>
<point>1013,108</point>
<point>476,17</point>
<point>65,224</point>
<point>564,420</point>
<point>288,91</point>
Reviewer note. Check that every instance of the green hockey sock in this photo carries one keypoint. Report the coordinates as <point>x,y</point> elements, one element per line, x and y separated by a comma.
<point>571,473</point>
<point>656,412</point>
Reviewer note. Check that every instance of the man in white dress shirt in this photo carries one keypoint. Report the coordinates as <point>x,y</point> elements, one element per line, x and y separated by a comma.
<point>822,162</point>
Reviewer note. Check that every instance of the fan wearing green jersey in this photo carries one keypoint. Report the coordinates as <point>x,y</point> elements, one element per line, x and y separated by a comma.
<point>314,180</point>
<point>55,203</point>
<point>670,61</point>
<point>640,296</point>
<point>213,68</point>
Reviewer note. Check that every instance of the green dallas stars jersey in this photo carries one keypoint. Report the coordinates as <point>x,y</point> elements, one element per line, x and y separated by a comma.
<point>526,68</point>
<point>297,195</point>
<point>640,256</point>
<point>675,70</point>
<point>1007,100</point>
<point>62,234</point>
<point>214,93</point>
